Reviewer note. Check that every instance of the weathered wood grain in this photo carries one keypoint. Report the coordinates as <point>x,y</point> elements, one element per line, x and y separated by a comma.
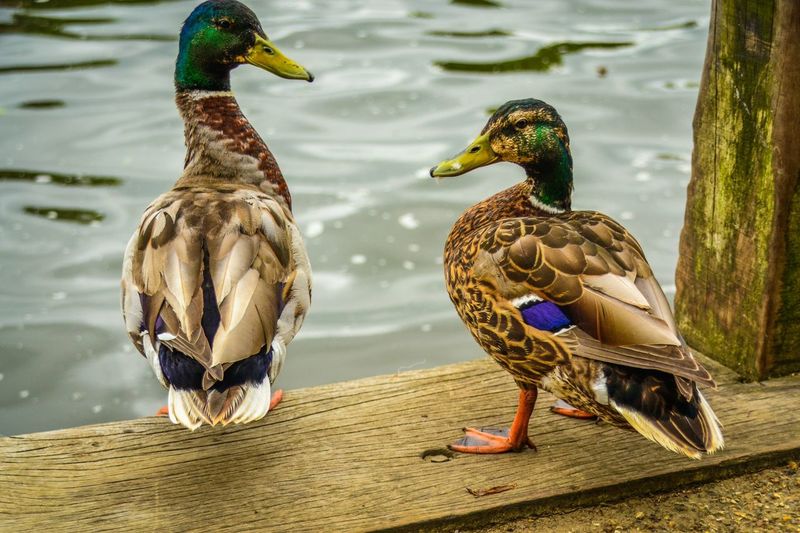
<point>349,456</point>
<point>738,275</point>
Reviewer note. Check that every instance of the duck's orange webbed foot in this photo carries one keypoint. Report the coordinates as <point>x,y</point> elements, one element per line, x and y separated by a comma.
<point>489,440</point>
<point>164,411</point>
<point>564,409</point>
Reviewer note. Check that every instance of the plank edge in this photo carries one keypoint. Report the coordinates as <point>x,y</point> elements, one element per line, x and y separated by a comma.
<point>564,503</point>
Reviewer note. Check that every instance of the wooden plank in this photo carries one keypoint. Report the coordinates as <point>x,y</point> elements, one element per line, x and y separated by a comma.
<point>738,275</point>
<point>351,456</point>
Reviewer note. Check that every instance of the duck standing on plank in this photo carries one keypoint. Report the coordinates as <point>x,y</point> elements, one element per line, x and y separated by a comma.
<point>565,300</point>
<point>216,280</point>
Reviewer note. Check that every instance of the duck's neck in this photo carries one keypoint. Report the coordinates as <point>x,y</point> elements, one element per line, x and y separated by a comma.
<point>193,74</point>
<point>221,145</point>
<point>551,182</point>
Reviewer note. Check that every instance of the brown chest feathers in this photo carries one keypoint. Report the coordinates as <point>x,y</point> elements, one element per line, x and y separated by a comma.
<point>511,202</point>
<point>221,144</point>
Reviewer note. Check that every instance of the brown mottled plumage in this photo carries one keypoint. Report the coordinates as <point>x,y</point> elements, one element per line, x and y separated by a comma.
<point>614,350</point>
<point>216,281</point>
<point>227,218</point>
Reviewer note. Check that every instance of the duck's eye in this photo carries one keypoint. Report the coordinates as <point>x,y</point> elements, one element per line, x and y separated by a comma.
<point>224,24</point>
<point>521,124</point>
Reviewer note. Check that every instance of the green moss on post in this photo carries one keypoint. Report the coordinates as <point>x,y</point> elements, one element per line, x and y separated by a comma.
<point>738,276</point>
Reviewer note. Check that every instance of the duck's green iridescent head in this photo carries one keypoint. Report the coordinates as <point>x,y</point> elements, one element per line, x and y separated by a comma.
<point>529,133</point>
<point>220,35</point>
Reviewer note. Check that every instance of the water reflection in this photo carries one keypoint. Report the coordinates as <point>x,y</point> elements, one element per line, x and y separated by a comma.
<point>477,3</point>
<point>41,104</point>
<point>65,214</point>
<point>542,61</point>
<point>72,180</point>
<point>97,63</point>
<point>470,34</point>
<point>24,23</point>
<point>67,4</point>
<point>688,25</point>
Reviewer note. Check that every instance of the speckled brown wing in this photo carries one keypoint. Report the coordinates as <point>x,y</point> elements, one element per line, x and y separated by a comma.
<point>236,240</point>
<point>596,272</point>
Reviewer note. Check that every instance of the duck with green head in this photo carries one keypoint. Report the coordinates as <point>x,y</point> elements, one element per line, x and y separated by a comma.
<point>565,300</point>
<point>216,280</point>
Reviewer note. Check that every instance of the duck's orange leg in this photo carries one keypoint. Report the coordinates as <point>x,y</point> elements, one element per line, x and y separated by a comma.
<point>277,396</point>
<point>488,440</point>
<point>564,409</point>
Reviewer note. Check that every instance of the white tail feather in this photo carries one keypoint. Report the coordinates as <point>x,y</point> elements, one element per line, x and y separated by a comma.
<point>183,410</point>
<point>254,406</point>
<point>187,409</point>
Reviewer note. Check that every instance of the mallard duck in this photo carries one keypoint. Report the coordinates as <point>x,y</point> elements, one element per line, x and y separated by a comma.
<point>565,300</point>
<point>216,280</point>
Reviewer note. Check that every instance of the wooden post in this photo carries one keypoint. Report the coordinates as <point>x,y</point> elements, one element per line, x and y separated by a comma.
<point>738,276</point>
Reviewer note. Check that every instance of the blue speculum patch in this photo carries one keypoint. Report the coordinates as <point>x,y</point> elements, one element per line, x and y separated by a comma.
<point>545,316</point>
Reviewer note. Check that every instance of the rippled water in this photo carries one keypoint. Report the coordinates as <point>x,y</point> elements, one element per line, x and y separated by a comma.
<point>89,135</point>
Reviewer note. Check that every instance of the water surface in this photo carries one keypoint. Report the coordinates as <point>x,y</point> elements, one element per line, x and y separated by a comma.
<point>89,136</point>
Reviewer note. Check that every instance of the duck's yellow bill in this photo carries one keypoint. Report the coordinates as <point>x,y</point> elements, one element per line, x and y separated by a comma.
<point>478,154</point>
<point>266,55</point>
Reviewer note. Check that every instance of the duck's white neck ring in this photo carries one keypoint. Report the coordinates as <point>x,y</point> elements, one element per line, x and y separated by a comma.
<point>541,206</point>
<point>200,95</point>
